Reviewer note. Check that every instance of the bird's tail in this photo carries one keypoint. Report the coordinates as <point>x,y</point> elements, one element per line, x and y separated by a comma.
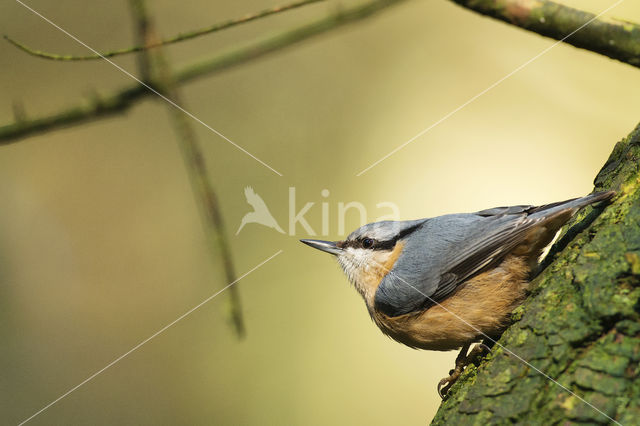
<point>551,217</point>
<point>573,204</point>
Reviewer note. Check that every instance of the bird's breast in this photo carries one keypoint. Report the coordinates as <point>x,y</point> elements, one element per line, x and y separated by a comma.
<point>482,305</point>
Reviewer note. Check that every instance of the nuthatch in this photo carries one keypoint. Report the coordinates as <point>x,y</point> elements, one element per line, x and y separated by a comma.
<point>446,282</point>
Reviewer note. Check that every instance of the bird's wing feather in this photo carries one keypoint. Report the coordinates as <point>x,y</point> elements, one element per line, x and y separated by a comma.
<point>448,250</point>
<point>445,254</point>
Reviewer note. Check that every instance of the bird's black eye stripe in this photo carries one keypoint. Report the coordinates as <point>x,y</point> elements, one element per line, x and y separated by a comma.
<point>370,243</point>
<point>385,245</point>
<point>390,244</point>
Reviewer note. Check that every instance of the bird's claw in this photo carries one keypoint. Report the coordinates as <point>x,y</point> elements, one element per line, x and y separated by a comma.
<point>445,384</point>
<point>462,361</point>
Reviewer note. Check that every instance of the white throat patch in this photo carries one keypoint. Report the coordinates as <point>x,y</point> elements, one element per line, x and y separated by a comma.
<point>364,269</point>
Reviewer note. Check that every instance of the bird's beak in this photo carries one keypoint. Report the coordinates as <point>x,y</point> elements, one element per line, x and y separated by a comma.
<point>328,246</point>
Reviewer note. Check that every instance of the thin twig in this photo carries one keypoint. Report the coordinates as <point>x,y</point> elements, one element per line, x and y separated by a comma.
<point>616,39</point>
<point>120,101</point>
<point>155,69</point>
<point>175,39</point>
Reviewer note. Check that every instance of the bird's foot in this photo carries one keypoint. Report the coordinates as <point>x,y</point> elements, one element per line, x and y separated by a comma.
<point>462,361</point>
<point>445,384</point>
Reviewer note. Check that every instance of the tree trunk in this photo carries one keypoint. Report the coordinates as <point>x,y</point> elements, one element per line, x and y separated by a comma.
<point>580,325</point>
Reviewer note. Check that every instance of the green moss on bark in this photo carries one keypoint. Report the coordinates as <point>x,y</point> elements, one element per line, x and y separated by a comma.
<point>580,325</point>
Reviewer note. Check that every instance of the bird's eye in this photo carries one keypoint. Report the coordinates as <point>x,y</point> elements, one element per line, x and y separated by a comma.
<point>367,243</point>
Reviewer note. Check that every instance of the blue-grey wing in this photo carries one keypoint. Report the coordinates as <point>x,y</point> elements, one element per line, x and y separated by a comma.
<point>447,250</point>
<point>442,254</point>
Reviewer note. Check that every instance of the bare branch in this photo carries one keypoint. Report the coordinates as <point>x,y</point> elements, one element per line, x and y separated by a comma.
<point>609,37</point>
<point>120,101</point>
<point>154,67</point>
<point>175,39</point>
<point>92,109</point>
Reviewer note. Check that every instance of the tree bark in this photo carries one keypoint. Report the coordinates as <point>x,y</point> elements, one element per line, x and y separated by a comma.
<point>580,325</point>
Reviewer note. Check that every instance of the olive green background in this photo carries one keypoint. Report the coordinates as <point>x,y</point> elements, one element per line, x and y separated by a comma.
<point>101,242</point>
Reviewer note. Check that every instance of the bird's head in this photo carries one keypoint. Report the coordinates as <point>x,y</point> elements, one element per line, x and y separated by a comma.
<point>369,252</point>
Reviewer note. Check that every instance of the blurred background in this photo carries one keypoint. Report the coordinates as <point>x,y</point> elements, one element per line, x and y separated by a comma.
<point>101,243</point>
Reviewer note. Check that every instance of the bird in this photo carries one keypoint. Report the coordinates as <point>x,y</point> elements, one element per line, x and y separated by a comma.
<point>260,213</point>
<point>446,282</point>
